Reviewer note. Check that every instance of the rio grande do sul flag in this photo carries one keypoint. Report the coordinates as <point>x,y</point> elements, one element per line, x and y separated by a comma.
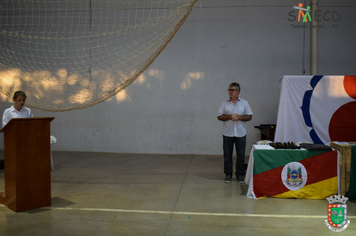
<point>294,174</point>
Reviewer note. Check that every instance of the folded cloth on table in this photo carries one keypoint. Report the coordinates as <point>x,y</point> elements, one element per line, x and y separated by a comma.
<point>315,147</point>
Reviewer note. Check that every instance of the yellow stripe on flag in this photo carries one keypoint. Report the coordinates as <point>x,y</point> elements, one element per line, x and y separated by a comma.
<point>319,190</point>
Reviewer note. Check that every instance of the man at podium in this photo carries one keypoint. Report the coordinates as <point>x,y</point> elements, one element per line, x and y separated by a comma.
<point>28,166</point>
<point>18,110</point>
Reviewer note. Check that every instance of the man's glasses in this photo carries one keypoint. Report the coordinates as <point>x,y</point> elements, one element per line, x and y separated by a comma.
<point>231,90</point>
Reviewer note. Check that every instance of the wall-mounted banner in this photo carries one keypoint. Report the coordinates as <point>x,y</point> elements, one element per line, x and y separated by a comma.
<point>318,109</point>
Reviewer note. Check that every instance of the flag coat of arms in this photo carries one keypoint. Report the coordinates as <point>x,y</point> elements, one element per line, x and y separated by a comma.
<point>337,213</point>
<point>294,173</point>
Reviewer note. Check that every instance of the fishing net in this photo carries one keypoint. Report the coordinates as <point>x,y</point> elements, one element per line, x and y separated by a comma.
<point>73,54</point>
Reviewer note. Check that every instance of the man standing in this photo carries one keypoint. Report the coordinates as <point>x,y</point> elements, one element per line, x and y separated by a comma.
<point>234,113</point>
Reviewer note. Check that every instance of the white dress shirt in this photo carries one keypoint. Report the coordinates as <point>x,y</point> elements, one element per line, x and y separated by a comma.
<point>234,128</point>
<point>11,112</point>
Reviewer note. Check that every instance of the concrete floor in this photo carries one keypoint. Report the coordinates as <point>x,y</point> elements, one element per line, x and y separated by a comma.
<point>133,194</point>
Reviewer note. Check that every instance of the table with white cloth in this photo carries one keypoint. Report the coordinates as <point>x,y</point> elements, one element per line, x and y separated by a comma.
<point>292,173</point>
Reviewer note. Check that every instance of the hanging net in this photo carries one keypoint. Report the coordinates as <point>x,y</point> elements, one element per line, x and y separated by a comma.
<point>73,54</point>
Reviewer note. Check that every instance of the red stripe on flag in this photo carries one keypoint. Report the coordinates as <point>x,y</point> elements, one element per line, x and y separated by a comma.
<point>269,183</point>
<point>324,170</point>
<point>319,167</point>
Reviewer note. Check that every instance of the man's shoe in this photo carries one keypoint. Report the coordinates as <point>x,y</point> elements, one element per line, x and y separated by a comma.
<point>240,179</point>
<point>228,179</point>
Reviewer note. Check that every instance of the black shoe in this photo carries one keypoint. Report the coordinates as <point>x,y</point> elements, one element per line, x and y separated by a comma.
<point>228,179</point>
<point>240,179</point>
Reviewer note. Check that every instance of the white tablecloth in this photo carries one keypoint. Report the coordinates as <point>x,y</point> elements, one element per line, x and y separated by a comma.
<point>249,172</point>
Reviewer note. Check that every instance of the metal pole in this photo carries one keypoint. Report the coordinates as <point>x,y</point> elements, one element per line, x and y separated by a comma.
<point>314,40</point>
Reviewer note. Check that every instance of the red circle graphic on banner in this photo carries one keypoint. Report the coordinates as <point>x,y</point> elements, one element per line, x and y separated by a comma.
<point>342,126</point>
<point>350,85</point>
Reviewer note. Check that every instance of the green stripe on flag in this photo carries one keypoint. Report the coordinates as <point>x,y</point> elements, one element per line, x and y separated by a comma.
<point>278,158</point>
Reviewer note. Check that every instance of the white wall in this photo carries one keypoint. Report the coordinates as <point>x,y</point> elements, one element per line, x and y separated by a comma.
<point>172,107</point>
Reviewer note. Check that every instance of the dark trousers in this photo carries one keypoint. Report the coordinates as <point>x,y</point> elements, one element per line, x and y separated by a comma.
<point>228,146</point>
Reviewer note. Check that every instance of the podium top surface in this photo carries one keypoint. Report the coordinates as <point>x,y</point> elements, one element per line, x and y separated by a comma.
<point>341,144</point>
<point>13,120</point>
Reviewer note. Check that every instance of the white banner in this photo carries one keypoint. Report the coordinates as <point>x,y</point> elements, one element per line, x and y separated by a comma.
<point>318,109</point>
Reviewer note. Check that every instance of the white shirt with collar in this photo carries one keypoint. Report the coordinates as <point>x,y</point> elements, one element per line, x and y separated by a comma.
<point>234,128</point>
<point>11,112</point>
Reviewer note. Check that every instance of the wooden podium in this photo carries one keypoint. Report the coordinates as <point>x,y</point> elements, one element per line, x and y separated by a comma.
<point>344,149</point>
<point>27,163</point>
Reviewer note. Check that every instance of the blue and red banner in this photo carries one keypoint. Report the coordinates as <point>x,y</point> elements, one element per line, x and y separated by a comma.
<point>319,109</point>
